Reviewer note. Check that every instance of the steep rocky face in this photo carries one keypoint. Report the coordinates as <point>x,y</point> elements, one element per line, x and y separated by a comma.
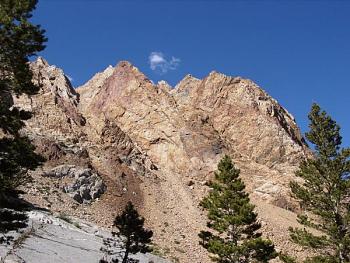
<point>186,130</point>
<point>66,138</point>
<point>158,146</point>
<point>55,106</point>
<point>146,113</point>
<point>251,123</point>
<point>96,81</point>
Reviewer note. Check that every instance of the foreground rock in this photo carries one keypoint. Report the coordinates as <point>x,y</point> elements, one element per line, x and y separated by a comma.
<point>60,240</point>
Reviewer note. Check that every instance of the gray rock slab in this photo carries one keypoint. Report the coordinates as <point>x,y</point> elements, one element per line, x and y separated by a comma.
<point>49,239</point>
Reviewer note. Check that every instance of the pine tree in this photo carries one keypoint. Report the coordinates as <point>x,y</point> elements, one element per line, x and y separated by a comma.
<point>324,193</point>
<point>132,236</point>
<point>19,40</point>
<point>236,237</point>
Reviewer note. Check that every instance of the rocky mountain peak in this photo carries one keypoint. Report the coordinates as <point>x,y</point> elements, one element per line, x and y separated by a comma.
<point>40,61</point>
<point>56,99</point>
<point>164,85</point>
<point>127,71</point>
<point>113,78</point>
<point>186,84</point>
<point>93,86</point>
<point>98,79</point>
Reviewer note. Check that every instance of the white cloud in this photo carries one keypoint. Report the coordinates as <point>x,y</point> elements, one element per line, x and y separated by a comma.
<point>160,64</point>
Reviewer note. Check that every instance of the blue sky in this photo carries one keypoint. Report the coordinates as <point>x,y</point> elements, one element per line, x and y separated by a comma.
<point>298,51</point>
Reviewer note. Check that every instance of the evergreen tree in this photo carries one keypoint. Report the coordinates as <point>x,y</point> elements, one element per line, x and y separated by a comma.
<point>325,192</point>
<point>132,236</point>
<point>236,237</point>
<point>19,40</point>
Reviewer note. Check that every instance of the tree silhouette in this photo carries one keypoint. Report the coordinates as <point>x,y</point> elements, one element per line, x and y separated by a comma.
<point>131,237</point>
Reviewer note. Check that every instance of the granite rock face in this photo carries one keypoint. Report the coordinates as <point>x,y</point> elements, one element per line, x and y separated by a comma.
<point>158,146</point>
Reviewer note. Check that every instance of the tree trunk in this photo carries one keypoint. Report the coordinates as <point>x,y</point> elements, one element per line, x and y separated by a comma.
<point>126,255</point>
<point>341,254</point>
<point>127,249</point>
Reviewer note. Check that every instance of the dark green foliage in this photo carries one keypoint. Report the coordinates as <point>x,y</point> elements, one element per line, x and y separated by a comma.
<point>19,40</point>
<point>324,193</point>
<point>232,217</point>
<point>15,154</point>
<point>132,236</point>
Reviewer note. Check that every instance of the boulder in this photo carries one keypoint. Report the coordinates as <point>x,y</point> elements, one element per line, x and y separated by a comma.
<point>87,185</point>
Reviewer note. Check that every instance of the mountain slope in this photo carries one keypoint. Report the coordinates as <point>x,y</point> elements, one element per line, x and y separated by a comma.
<point>159,146</point>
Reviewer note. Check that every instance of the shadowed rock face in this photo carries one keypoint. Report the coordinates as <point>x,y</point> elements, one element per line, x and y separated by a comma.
<point>159,145</point>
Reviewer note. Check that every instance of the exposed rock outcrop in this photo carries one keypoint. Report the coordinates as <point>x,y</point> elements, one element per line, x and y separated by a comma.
<point>55,106</point>
<point>187,129</point>
<point>86,185</point>
<point>61,239</point>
